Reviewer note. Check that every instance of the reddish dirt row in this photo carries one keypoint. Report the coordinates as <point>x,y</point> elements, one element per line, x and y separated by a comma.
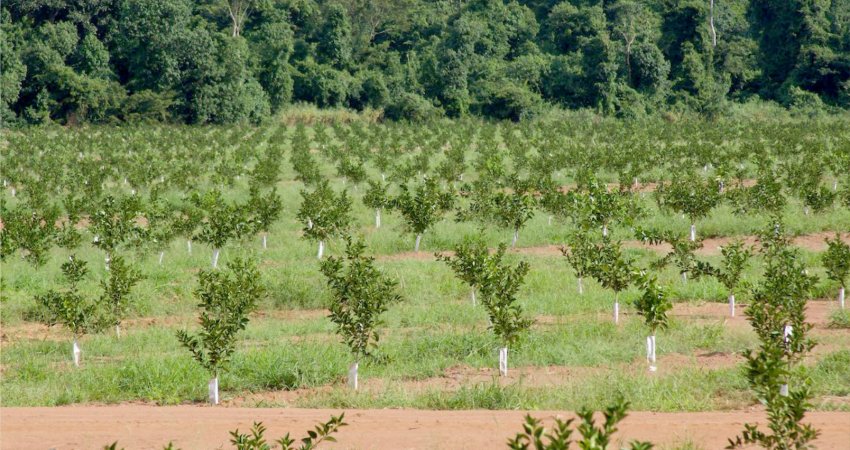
<point>711,246</point>
<point>198,427</point>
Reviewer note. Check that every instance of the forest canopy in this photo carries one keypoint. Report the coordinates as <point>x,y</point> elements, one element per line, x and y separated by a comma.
<point>223,61</point>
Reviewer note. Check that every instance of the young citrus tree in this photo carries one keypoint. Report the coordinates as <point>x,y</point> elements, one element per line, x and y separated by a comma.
<point>613,270</point>
<point>500,283</point>
<point>653,305</point>
<point>376,197</point>
<point>512,210</point>
<point>836,260</point>
<point>691,195</point>
<point>777,314</point>
<point>735,259</point>
<point>226,299</point>
<point>581,255</point>
<point>265,210</point>
<point>223,221</point>
<point>114,223</point>
<point>69,308</point>
<point>116,289</point>
<point>360,294</point>
<point>423,207</point>
<point>324,214</point>
<point>469,261</point>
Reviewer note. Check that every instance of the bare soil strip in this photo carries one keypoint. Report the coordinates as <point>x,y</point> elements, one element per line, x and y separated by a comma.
<point>201,427</point>
<point>711,246</point>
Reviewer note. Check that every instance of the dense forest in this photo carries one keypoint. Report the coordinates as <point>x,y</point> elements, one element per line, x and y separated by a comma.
<point>220,61</point>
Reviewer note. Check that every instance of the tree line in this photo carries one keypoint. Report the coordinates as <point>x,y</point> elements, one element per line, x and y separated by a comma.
<point>222,61</point>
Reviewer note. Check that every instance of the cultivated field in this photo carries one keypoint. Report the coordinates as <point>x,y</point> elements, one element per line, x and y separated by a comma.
<point>168,203</point>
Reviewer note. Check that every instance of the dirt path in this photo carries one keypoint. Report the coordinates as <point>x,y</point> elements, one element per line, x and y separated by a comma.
<point>199,427</point>
<point>711,247</point>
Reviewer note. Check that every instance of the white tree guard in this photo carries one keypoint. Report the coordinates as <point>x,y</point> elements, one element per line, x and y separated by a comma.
<point>77,353</point>
<point>352,375</point>
<point>213,391</point>
<point>503,361</point>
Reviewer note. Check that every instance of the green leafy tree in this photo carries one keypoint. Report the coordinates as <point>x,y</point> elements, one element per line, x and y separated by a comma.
<point>226,299</point>
<point>613,270</point>
<point>116,289</point>
<point>500,283</point>
<point>736,256</point>
<point>324,214</point>
<point>469,262</point>
<point>581,255</point>
<point>653,305</point>
<point>69,307</point>
<point>777,314</point>
<point>360,294</point>
<point>691,195</point>
<point>593,437</point>
<point>256,440</point>
<point>836,261</point>
<point>222,222</point>
<point>30,228</point>
<point>512,210</point>
<point>423,207</point>
<point>265,210</point>
<point>114,223</point>
<point>377,198</point>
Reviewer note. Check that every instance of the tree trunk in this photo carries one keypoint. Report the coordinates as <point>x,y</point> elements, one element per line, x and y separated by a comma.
<point>516,237</point>
<point>107,259</point>
<point>616,309</point>
<point>418,241</point>
<point>650,352</point>
<point>352,375</point>
<point>580,286</point>
<point>321,250</point>
<point>732,305</point>
<point>213,390</point>
<point>693,232</point>
<point>503,361</point>
<point>841,297</point>
<point>118,330</point>
<point>161,255</point>
<point>75,349</point>
<point>216,253</point>
<point>265,241</point>
<point>378,218</point>
<point>189,246</point>
<point>473,297</point>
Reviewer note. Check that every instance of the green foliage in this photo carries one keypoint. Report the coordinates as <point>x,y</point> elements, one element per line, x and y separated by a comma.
<point>581,254</point>
<point>323,432</point>
<point>264,209</point>
<point>423,207</point>
<point>836,260</point>
<point>116,290</point>
<point>114,222</point>
<point>226,298</point>
<point>360,294</point>
<point>222,220</point>
<point>323,213</point>
<point>593,437</point>
<point>736,256</point>
<point>29,228</point>
<point>691,195</point>
<point>612,269</point>
<point>70,308</point>
<point>469,261</point>
<point>777,314</point>
<point>499,284</point>
<point>654,302</point>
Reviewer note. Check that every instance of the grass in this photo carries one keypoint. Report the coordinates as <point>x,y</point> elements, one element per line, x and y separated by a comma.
<point>433,330</point>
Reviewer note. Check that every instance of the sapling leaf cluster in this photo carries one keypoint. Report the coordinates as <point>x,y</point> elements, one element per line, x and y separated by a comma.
<point>777,314</point>
<point>423,206</point>
<point>226,298</point>
<point>469,262</point>
<point>836,261</point>
<point>324,214</point>
<point>360,293</point>
<point>116,289</point>
<point>499,284</point>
